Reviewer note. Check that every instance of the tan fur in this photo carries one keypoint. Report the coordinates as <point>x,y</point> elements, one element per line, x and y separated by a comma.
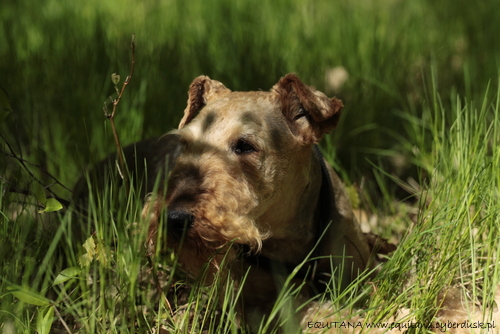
<point>247,175</point>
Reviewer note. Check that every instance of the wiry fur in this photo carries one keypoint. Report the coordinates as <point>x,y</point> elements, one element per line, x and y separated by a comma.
<point>247,176</point>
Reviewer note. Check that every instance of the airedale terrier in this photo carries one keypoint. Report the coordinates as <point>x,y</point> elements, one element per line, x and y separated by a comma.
<point>251,187</point>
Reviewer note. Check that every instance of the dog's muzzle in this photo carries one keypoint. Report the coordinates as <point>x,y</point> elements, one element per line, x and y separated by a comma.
<point>179,223</point>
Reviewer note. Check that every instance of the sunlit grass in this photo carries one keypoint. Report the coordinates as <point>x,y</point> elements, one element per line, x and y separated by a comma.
<point>432,132</point>
<point>453,243</point>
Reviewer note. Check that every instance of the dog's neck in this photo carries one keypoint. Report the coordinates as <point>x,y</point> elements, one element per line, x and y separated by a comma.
<point>325,198</point>
<point>313,216</point>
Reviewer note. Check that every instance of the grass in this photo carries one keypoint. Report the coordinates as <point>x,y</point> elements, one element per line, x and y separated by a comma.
<point>245,46</point>
<point>418,140</point>
<point>455,239</point>
<point>454,242</point>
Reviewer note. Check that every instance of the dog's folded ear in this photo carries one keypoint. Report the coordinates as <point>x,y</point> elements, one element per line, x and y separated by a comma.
<point>309,112</point>
<point>201,90</point>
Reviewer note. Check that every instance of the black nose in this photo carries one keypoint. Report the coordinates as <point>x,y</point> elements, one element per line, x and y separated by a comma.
<point>179,222</point>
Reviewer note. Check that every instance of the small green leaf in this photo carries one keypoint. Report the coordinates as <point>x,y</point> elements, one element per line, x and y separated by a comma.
<point>115,78</point>
<point>89,246</point>
<point>85,260</point>
<point>28,296</point>
<point>90,252</point>
<point>44,321</point>
<point>103,254</point>
<point>67,274</point>
<point>52,205</point>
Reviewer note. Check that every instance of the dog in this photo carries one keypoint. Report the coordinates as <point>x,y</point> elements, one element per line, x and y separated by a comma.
<point>250,188</point>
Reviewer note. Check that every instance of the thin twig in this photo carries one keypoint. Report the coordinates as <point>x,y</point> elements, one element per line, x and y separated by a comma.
<point>111,117</point>
<point>61,319</point>
<point>23,163</point>
<point>56,181</point>
<point>128,78</point>
<point>15,190</point>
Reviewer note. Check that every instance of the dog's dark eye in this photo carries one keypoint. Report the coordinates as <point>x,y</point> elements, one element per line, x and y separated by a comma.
<point>302,113</point>
<point>243,147</point>
<point>183,143</point>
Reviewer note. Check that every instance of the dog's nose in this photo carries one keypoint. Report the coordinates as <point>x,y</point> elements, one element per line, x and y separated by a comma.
<point>178,222</point>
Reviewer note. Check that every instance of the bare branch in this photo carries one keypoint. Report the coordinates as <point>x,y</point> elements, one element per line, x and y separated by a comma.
<point>110,116</point>
<point>61,319</point>
<point>23,163</point>
<point>127,79</point>
<point>15,190</point>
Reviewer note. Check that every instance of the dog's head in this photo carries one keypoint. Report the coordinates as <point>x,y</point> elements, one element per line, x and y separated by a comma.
<point>244,166</point>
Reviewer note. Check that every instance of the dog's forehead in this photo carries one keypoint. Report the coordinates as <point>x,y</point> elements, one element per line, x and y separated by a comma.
<point>236,104</point>
<point>238,113</point>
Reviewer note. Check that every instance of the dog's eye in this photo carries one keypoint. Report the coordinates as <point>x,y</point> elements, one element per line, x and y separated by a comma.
<point>302,113</point>
<point>243,147</point>
<point>183,143</point>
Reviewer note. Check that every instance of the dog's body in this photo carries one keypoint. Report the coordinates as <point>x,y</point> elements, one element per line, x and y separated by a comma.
<point>249,187</point>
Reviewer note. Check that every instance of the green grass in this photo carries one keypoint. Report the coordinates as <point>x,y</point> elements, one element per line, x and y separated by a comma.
<point>422,104</point>
<point>455,240</point>
<point>57,59</point>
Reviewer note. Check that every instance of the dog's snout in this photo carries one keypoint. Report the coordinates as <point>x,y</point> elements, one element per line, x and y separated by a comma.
<point>179,222</point>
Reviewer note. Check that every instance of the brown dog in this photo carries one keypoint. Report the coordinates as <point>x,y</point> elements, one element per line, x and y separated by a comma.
<point>251,187</point>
